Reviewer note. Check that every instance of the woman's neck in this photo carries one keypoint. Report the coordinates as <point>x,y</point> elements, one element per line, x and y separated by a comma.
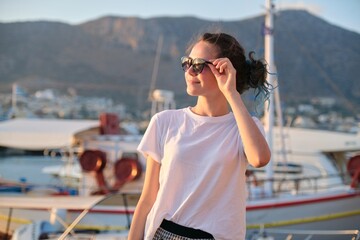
<point>211,108</point>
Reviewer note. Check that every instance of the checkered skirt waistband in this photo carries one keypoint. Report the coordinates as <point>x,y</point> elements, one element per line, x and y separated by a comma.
<point>162,234</point>
<point>169,230</point>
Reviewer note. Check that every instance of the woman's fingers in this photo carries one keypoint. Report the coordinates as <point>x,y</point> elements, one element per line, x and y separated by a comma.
<point>221,64</point>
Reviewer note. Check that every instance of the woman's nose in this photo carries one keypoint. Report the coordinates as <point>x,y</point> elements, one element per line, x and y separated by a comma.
<point>191,71</point>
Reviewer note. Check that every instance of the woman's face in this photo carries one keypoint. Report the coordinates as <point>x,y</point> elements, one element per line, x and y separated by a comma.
<point>204,83</point>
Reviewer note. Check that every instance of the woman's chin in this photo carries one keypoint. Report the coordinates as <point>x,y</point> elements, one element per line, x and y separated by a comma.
<point>192,92</point>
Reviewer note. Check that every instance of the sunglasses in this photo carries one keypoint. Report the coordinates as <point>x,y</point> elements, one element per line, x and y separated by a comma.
<point>197,64</point>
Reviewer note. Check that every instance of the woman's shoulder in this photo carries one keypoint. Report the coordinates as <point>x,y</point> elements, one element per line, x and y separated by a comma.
<point>169,117</point>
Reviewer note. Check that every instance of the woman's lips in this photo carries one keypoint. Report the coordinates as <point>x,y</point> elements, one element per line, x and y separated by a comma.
<point>193,82</point>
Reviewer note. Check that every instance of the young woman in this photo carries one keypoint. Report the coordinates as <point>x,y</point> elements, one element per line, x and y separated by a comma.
<point>197,156</point>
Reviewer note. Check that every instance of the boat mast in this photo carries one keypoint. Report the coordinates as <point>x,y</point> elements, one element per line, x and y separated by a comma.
<point>154,103</point>
<point>269,105</point>
<point>156,67</point>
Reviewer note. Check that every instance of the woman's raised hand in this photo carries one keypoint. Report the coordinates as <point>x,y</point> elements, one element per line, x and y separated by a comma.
<point>225,75</point>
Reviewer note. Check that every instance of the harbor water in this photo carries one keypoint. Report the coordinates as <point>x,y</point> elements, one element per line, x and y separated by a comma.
<point>28,168</point>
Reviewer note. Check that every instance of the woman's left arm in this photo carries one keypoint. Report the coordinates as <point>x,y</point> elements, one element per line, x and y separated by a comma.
<point>255,146</point>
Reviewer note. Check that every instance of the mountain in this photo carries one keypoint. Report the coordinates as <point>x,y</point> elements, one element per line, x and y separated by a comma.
<point>114,56</point>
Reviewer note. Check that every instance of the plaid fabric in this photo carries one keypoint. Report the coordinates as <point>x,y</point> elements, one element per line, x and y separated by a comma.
<point>162,234</point>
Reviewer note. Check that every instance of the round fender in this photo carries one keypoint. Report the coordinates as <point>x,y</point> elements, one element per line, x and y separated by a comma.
<point>93,160</point>
<point>127,169</point>
<point>353,167</point>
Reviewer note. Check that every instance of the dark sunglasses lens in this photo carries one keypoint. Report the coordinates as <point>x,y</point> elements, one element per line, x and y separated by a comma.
<point>185,63</point>
<point>198,67</point>
<point>185,66</point>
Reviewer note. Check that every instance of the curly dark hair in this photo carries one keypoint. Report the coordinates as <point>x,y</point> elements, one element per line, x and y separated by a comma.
<point>250,73</point>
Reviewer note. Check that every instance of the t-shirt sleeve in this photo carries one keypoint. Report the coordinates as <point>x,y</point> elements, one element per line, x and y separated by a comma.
<point>259,125</point>
<point>261,128</point>
<point>150,143</point>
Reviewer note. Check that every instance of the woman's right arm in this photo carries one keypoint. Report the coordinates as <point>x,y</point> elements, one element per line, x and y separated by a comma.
<point>146,201</point>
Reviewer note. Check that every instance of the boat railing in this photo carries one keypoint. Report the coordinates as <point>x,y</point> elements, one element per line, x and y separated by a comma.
<point>294,185</point>
<point>290,234</point>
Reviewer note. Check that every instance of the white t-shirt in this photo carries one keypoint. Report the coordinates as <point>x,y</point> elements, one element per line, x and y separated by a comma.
<point>202,174</point>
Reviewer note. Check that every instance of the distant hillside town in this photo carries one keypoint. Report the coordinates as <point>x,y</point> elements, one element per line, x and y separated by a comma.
<point>49,103</point>
<point>319,113</point>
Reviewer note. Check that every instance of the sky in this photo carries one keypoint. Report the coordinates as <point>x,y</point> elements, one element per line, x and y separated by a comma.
<point>343,13</point>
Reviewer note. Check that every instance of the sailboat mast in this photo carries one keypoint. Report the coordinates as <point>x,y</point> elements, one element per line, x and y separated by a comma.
<point>156,66</point>
<point>269,106</point>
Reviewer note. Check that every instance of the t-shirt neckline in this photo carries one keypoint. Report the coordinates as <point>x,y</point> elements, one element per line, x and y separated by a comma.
<point>195,116</point>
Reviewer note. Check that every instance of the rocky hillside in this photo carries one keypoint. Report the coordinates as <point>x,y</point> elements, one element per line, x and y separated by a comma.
<point>114,56</point>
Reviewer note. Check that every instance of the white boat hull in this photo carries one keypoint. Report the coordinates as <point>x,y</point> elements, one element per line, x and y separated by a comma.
<point>337,211</point>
